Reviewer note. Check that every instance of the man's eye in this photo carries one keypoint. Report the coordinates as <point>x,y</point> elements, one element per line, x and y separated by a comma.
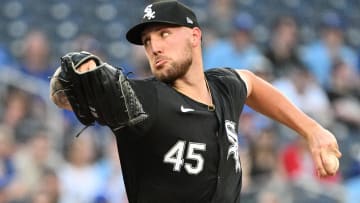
<point>146,42</point>
<point>164,34</point>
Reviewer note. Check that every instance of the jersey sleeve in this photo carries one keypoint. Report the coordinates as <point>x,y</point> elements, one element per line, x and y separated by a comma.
<point>231,90</point>
<point>230,79</point>
<point>241,85</point>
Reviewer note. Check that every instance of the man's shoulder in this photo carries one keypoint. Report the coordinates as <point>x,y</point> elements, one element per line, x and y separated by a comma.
<point>148,79</point>
<point>145,81</point>
<point>221,72</point>
<point>225,76</point>
<point>148,84</point>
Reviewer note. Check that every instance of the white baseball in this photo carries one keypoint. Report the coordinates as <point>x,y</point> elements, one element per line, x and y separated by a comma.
<point>331,163</point>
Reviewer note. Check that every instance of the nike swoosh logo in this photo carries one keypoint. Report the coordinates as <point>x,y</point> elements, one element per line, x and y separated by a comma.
<point>183,109</point>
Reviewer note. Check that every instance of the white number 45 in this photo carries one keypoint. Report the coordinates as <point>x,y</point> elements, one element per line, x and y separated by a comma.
<point>175,156</point>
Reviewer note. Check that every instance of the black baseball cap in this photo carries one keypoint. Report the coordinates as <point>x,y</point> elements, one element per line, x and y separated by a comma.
<point>170,12</point>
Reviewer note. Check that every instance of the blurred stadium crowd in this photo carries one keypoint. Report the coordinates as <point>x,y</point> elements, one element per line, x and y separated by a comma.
<point>308,49</point>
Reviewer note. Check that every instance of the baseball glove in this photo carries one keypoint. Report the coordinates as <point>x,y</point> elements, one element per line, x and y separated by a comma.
<point>102,94</point>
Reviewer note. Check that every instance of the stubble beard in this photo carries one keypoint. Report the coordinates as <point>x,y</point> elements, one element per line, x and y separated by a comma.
<point>175,70</point>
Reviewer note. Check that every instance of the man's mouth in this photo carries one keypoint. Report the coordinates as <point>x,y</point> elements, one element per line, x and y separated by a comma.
<point>159,62</point>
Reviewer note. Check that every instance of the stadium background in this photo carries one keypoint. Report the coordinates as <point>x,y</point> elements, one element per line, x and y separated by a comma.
<point>41,161</point>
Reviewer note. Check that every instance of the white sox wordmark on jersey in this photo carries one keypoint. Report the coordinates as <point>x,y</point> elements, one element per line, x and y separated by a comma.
<point>234,147</point>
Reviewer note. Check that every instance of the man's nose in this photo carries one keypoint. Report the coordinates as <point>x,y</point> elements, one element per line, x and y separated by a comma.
<point>156,46</point>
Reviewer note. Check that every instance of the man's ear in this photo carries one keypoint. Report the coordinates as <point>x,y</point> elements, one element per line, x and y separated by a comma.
<point>196,36</point>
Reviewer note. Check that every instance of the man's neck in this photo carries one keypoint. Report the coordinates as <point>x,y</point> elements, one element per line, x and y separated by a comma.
<point>194,85</point>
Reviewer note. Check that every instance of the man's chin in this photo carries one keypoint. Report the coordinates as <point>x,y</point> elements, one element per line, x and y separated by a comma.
<point>166,79</point>
<point>170,75</point>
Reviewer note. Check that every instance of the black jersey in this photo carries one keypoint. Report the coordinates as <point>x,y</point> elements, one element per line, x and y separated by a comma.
<point>184,152</point>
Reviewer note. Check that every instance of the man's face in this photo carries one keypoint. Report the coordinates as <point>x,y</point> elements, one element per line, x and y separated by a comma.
<point>169,51</point>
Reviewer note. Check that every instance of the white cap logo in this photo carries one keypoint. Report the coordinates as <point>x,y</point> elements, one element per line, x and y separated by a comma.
<point>188,20</point>
<point>149,13</point>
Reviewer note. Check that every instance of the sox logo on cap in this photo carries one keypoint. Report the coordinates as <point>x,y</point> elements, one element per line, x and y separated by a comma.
<point>149,13</point>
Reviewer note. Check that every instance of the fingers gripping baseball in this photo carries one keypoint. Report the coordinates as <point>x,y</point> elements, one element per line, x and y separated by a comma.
<point>330,162</point>
<point>326,155</point>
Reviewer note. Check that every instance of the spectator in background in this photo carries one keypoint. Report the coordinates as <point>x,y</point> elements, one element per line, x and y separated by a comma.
<point>48,189</point>
<point>319,56</point>
<point>16,111</point>
<point>40,197</point>
<point>79,179</point>
<point>139,63</point>
<point>269,197</point>
<point>264,155</point>
<point>262,67</point>
<point>266,183</point>
<point>238,51</point>
<point>90,44</point>
<point>32,159</point>
<point>344,94</point>
<point>113,190</point>
<point>221,13</point>
<point>22,112</point>
<point>36,59</point>
<point>301,88</point>
<point>282,49</point>
<point>7,166</point>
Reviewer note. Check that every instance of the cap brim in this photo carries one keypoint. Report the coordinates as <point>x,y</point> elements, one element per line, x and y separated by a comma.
<point>134,33</point>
